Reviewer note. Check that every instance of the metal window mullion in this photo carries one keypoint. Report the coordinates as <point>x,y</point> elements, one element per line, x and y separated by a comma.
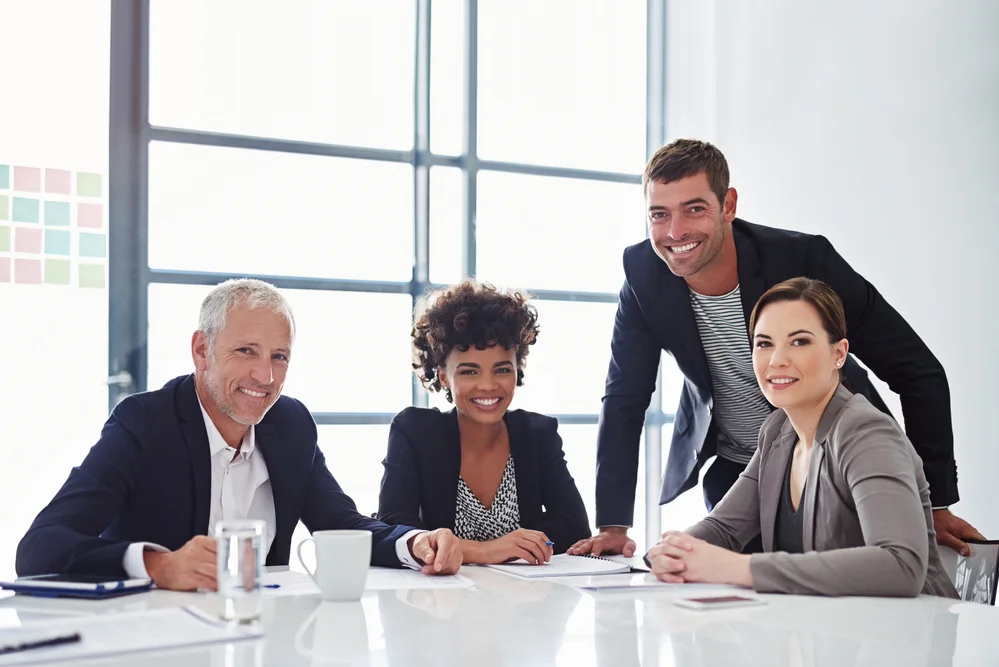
<point>128,173</point>
<point>470,157</point>
<point>421,169</point>
<point>655,136</point>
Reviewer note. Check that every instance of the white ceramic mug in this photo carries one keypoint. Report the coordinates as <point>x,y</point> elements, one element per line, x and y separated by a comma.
<point>342,561</point>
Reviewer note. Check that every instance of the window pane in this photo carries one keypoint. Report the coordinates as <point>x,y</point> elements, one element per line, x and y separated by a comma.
<point>332,72</point>
<point>354,455</point>
<point>445,225</point>
<point>688,508</point>
<point>579,441</point>
<point>556,233</point>
<point>243,211</point>
<point>447,70</point>
<point>562,86</point>
<point>351,350</point>
<point>567,367</point>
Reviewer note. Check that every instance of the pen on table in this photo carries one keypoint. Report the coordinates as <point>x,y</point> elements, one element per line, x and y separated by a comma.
<point>40,643</point>
<point>271,586</point>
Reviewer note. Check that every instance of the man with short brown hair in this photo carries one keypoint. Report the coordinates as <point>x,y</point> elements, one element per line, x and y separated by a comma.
<point>689,291</point>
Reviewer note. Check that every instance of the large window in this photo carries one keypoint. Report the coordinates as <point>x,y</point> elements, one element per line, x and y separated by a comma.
<point>356,154</point>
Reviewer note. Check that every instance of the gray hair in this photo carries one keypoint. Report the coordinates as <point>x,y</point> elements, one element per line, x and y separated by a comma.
<point>238,292</point>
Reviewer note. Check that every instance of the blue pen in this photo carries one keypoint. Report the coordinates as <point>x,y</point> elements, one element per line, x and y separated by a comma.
<point>271,586</point>
<point>551,544</point>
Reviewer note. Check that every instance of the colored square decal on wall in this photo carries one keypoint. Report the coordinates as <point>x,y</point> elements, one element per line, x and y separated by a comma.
<point>4,207</point>
<point>4,177</point>
<point>28,271</point>
<point>4,238</point>
<point>90,215</point>
<point>89,184</point>
<point>58,181</point>
<point>57,271</point>
<point>28,179</point>
<point>28,240</point>
<point>57,242</point>
<point>92,275</point>
<point>25,210</point>
<point>92,245</point>
<point>4,269</point>
<point>57,214</point>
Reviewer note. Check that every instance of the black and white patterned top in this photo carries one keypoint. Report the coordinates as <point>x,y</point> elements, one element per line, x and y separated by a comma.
<point>739,406</point>
<point>472,521</point>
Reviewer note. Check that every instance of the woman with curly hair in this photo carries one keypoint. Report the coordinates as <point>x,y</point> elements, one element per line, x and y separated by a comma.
<point>496,477</point>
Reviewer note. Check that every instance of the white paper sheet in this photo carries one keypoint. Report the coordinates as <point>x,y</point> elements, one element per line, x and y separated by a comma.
<point>387,579</point>
<point>379,579</point>
<point>631,582</point>
<point>127,632</point>
<point>563,565</point>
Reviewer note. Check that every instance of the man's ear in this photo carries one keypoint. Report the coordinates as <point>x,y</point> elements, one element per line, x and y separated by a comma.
<point>199,350</point>
<point>729,205</point>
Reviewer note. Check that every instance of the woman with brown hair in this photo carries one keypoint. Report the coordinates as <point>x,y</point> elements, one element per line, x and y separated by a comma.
<point>496,477</point>
<point>835,487</point>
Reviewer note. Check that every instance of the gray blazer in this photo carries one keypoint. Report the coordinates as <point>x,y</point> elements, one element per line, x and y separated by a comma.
<point>868,523</point>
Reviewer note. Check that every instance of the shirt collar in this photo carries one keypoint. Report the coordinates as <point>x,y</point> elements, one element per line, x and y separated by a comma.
<point>216,443</point>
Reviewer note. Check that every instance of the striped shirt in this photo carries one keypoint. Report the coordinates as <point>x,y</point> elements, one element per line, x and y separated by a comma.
<point>739,405</point>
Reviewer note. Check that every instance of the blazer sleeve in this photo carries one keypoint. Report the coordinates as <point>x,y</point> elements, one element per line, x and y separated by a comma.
<point>877,466</point>
<point>65,537</point>
<point>631,380</point>
<point>564,520</point>
<point>327,507</point>
<point>885,342</point>
<point>735,520</point>
<point>399,496</point>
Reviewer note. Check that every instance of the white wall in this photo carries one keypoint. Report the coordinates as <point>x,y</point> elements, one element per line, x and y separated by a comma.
<point>877,125</point>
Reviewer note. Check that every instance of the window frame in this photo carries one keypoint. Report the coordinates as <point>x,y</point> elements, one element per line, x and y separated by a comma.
<point>131,133</point>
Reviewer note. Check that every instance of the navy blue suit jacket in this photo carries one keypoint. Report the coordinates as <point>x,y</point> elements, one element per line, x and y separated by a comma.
<point>148,479</point>
<point>654,314</point>
<point>423,464</point>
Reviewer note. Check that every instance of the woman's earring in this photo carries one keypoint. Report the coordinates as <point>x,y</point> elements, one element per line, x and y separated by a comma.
<point>447,395</point>
<point>838,364</point>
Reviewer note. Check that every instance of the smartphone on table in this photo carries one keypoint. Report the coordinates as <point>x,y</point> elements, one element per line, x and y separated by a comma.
<point>718,602</point>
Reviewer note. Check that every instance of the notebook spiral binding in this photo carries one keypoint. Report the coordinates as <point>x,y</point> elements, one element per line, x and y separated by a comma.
<point>609,560</point>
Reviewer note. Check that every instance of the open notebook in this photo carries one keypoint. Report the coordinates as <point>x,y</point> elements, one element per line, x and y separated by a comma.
<point>564,565</point>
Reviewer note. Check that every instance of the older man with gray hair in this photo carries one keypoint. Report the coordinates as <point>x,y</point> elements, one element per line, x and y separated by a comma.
<point>221,444</point>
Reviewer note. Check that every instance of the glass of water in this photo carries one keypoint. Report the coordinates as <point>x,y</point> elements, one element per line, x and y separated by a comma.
<point>240,568</point>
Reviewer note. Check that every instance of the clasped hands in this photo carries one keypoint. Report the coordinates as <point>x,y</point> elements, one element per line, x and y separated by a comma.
<point>680,558</point>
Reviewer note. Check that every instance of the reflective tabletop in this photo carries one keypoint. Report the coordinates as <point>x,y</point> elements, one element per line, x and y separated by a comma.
<point>505,620</point>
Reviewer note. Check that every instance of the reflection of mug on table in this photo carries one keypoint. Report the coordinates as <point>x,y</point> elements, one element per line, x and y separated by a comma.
<point>342,561</point>
<point>340,636</point>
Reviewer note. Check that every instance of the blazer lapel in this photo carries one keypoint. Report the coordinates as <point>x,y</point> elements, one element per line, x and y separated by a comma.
<point>452,468</point>
<point>751,283</point>
<point>678,315</point>
<point>192,428</point>
<point>281,476</point>
<point>829,416</point>
<point>525,464</point>
<point>772,481</point>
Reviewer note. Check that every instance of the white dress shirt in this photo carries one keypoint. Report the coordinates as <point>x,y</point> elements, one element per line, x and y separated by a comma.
<point>241,489</point>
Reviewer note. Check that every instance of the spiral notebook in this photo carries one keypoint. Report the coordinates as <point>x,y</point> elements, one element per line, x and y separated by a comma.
<point>564,565</point>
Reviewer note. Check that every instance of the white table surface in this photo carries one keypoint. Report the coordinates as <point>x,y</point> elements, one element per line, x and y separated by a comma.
<point>509,621</point>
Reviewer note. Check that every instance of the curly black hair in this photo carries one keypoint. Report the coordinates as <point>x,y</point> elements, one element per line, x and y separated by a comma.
<point>471,314</point>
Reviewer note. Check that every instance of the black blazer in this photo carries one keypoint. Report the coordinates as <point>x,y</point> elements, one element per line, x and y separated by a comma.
<point>148,479</point>
<point>654,314</point>
<point>423,464</point>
